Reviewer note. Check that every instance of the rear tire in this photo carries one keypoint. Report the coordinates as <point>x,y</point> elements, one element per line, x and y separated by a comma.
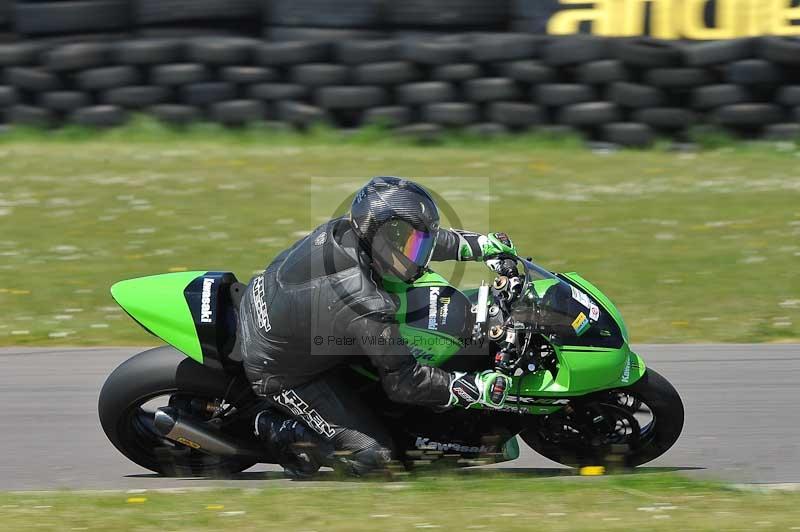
<point>654,439</point>
<point>155,373</point>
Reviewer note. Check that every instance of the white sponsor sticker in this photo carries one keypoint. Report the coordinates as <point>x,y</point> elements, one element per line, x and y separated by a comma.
<point>206,312</point>
<point>260,306</point>
<point>433,308</point>
<point>301,409</point>
<point>580,297</point>
<point>594,312</point>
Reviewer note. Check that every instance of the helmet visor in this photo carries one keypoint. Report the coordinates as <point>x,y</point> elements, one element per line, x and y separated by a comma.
<point>405,251</point>
<point>418,247</point>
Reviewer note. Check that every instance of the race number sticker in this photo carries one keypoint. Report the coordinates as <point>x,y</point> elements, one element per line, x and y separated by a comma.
<point>594,312</point>
<point>581,324</point>
<point>580,297</point>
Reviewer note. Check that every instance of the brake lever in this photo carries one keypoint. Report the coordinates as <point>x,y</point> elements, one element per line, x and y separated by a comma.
<point>503,265</point>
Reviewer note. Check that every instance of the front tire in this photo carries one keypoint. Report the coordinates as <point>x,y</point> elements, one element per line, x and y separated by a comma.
<point>158,373</point>
<point>560,440</point>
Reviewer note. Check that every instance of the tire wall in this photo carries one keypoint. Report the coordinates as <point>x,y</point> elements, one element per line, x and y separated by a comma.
<point>303,62</point>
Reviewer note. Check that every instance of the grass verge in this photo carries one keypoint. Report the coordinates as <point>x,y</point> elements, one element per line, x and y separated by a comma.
<point>692,246</point>
<point>652,502</point>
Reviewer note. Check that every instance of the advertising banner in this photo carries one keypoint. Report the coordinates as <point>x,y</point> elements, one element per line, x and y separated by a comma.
<point>665,19</point>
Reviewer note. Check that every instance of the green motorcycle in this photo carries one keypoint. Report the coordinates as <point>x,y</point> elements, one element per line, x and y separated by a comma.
<point>578,394</point>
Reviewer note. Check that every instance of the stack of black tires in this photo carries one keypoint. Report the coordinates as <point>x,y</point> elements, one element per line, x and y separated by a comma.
<point>371,19</point>
<point>108,19</point>
<point>5,16</point>
<point>273,19</point>
<point>625,91</point>
<point>67,18</point>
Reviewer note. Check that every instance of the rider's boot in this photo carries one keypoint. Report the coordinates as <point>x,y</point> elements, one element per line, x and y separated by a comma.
<point>296,447</point>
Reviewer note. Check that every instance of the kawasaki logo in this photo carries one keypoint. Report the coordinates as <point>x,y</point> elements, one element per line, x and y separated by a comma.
<point>205,302</point>
<point>428,445</point>
<point>626,373</point>
<point>433,303</point>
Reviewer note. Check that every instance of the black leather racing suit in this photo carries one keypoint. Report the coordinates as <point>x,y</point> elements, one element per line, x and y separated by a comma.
<point>311,310</point>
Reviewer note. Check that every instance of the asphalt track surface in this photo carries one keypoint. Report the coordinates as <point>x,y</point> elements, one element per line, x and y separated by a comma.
<point>742,419</point>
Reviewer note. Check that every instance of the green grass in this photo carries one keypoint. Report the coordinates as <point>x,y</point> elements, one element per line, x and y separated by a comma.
<point>449,503</point>
<point>692,247</point>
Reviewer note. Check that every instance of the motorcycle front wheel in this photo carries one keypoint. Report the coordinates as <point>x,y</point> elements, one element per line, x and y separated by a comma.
<point>625,427</point>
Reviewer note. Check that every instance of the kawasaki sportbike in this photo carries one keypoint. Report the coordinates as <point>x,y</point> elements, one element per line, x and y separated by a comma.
<point>578,396</point>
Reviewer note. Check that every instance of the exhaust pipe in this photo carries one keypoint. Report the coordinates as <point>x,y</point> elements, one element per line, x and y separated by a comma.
<point>188,432</point>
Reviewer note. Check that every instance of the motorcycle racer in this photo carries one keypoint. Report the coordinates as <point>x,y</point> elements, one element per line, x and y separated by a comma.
<point>315,303</point>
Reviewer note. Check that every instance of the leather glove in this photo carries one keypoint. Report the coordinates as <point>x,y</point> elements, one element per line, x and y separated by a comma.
<point>478,247</point>
<point>488,388</point>
<point>495,244</point>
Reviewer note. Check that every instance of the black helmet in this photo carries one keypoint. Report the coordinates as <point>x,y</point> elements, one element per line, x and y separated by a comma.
<point>397,223</point>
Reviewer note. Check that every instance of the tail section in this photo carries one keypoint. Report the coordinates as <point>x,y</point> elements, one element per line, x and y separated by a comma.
<point>191,311</point>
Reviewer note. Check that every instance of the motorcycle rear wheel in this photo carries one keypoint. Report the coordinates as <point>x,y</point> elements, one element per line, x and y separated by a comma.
<point>652,393</point>
<point>128,422</point>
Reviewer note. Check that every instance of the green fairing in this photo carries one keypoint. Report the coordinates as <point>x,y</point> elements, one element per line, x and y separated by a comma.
<point>158,304</point>
<point>582,369</point>
<point>429,278</point>
<point>601,298</point>
<point>586,369</point>
<point>542,285</point>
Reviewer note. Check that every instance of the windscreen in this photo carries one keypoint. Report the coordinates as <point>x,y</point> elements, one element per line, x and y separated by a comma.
<point>558,308</point>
